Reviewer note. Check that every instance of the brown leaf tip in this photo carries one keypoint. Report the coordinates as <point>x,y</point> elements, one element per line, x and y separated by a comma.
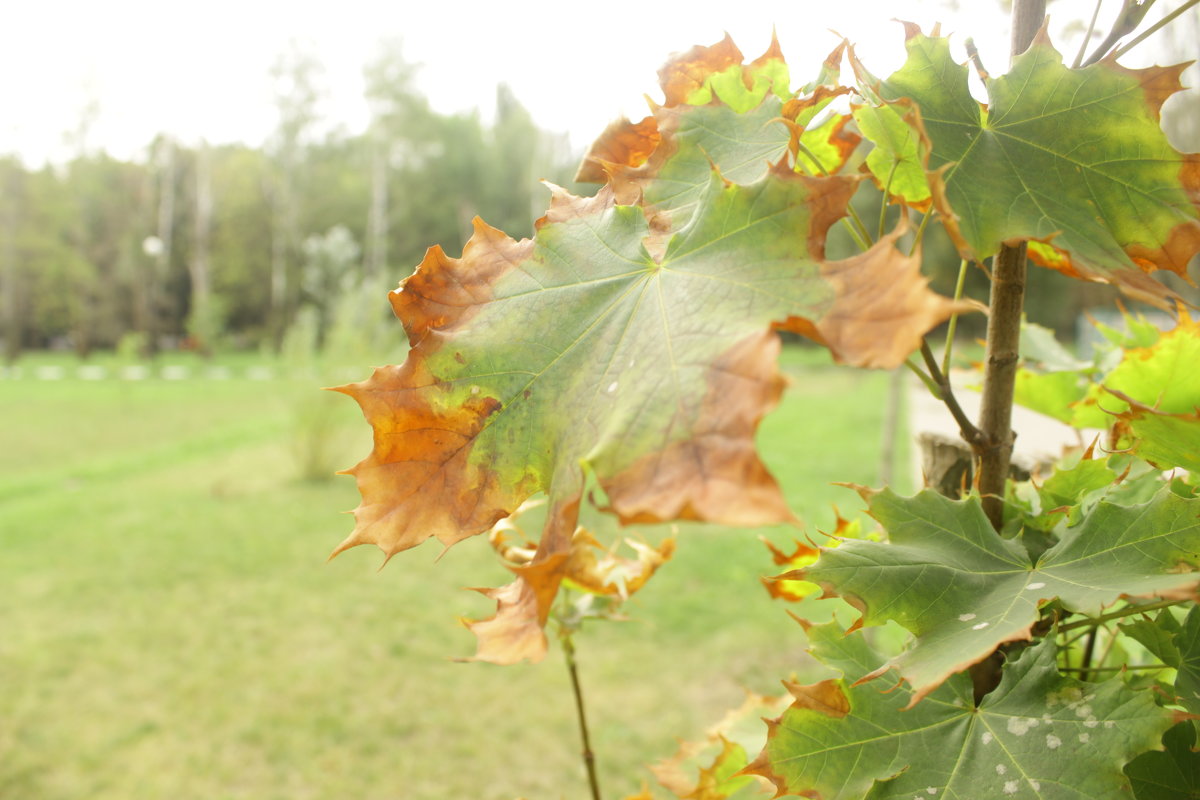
<point>825,698</point>
<point>687,72</point>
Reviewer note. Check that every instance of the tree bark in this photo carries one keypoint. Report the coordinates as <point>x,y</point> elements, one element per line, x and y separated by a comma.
<point>1004,325</point>
<point>1000,366</point>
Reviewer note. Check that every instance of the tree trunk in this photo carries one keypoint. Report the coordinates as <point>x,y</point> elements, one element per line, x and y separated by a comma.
<point>1002,355</point>
<point>1004,325</point>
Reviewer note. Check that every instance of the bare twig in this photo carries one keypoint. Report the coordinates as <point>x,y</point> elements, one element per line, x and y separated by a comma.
<point>1087,38</point>
<point>1129,17</point>
<point>970,434</point>
<point>1125,48</point>
<point>589,757</point>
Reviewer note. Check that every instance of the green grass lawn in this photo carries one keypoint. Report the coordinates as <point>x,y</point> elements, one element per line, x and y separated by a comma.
<point>170,627</point>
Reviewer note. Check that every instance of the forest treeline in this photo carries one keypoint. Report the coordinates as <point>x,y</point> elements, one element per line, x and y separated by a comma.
<point>228,246</point>
<point>225,246</point>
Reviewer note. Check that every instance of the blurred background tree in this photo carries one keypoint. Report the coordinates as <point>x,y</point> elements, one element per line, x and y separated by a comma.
<point>221,246</point>
<point>203,246</point>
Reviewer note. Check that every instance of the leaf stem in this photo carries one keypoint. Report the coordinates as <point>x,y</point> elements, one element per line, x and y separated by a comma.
<point>1128,611</point>
<point>589,757</point>
<point>1087,38</point>
<point>883,204</point>
<point>1121,668</point>
<point>921,231</point>
<point>860,236</point>
<point>925,379</point>
<point>1154,28</point>
<point>952,326</point>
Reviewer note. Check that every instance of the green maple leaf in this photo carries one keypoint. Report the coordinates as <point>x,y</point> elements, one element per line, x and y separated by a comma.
<point>603,347</point>
<point>1177,646</point>
<point>1155,392</point>
<point>1187,679</point>
<point>1051,393</point>
<point>950,579</point>
<point>713,769</point>
<point>1174,773</point>
<point>1038,735</point>
<point>1075,157</point>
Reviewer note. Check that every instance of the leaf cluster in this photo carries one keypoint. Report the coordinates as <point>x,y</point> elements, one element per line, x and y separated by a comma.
<point>621,359</point>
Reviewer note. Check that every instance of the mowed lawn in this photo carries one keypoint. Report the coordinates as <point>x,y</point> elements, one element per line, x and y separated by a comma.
<point>170,628</point>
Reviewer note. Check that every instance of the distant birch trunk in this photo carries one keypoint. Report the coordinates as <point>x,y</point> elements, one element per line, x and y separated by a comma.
<point>166,235</point>
<point>203,324</point>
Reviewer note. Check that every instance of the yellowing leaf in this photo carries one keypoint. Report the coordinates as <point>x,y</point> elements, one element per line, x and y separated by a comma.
<point>711,119</point>
<point>711,769</point>
<point>590,567</point>
<point>606,347</point>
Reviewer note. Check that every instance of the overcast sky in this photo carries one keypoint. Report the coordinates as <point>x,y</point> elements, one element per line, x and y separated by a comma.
<point>201,69</point>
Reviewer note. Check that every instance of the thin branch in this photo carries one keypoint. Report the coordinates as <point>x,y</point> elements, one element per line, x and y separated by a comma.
<point>1129,17</point>
<point>970,434</point>
<point>1088,36</point>
<point>589,758</point>
<point>1128,611</point>
<point>1125,48</point>
<point>861,237</point>
<point>1089,648</point>
<point>973,54</point>
<point>1121,668</point>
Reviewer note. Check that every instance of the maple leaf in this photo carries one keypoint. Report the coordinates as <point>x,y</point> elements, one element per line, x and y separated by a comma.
<point>1177,646</point>
<point>711,769</point>
<point>1071,157</point>
<point>950,579</point>
<point>723,114</point>
<point>1035,736</point>
<point>1174,773</point>
<point>602,347</point>
<point>590,567</point>
<point>900,153</point>
<point>783,586</point>
<point>1154,395</point>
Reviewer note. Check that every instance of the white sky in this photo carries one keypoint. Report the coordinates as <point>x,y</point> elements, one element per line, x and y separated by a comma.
<point>201,69</point>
